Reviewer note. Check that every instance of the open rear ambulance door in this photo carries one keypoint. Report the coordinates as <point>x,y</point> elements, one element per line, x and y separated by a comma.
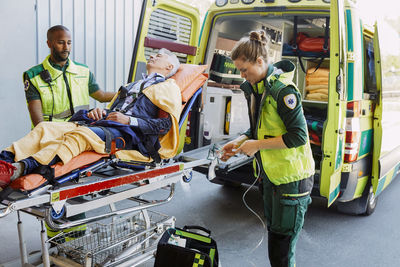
<point>382,168</point>
<point>334,128</point>
<point>164,24</point>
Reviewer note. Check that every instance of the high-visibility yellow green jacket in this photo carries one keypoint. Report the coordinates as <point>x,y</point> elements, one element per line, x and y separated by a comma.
<point>55,96</point>
<point>285,165</point>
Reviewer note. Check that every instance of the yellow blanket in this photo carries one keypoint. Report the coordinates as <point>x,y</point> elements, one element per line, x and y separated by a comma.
<point>48,139</point>
<point>166,96</point>
<point>68,140</point>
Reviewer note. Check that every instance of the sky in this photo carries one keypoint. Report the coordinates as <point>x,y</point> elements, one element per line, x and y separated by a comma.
<point>379,8</point>
<point>371,11</point>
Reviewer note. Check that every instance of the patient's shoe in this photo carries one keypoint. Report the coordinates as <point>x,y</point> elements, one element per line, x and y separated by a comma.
<point>6,171</point>
<point>10,172</point>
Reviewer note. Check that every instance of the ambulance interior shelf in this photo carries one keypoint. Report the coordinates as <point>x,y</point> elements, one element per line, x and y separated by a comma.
<point>312,80</point>
<point>222,69</point>
<point>312,84</point>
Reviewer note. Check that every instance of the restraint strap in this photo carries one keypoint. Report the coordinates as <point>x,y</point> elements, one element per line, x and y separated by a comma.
<point>109,139</point>
<point>152,151</point>
<point>47,172</point>
<point>135,96</point>
<point>123,93</point>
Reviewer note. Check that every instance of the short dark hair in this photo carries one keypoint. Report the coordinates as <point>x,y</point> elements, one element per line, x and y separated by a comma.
<point>54,29</point>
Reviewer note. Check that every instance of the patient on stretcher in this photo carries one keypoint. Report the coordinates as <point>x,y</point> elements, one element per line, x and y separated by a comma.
<point>142,120</point>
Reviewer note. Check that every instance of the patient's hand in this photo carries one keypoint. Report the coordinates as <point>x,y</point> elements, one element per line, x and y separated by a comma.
<point>97,114</point>
<point>118,117</point>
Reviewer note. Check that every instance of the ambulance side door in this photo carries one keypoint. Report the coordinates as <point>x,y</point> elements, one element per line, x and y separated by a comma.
<point>334,128</point>
<point>380,166</point>
<point>164,24</point>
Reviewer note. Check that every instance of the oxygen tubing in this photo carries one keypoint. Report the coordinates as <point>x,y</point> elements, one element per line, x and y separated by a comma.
<point>251,210</point>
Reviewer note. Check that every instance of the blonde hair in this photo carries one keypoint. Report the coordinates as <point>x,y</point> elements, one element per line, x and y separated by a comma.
<point>251,47</point>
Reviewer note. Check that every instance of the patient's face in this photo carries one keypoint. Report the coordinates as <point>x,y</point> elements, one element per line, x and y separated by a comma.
<point>159,63</point>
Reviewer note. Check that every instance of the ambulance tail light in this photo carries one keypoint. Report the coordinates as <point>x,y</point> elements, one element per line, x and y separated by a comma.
<point>353,137</point>
<point>353,109</point>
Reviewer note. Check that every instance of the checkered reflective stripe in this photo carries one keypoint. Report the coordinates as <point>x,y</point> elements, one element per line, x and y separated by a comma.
<point>198,260</point>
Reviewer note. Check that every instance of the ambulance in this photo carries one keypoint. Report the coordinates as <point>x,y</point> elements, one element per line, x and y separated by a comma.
<point>344,118</point>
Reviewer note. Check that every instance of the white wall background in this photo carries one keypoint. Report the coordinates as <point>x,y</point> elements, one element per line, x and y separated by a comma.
<point>103,33</point>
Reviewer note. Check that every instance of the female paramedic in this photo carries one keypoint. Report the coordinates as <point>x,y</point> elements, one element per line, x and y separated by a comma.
<point>278,139</point>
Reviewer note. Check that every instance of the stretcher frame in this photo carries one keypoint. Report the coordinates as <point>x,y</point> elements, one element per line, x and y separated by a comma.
<point>47,203</point>
<point>52,204</point>
<point>55,204</point>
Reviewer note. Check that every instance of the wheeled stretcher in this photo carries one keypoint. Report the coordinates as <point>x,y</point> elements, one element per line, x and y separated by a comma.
<point>92,181</point>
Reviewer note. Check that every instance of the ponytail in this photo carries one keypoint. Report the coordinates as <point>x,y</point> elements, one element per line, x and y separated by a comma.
<point>251,47</point>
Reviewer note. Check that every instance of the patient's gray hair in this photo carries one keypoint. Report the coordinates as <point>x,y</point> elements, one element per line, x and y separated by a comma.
<point>173,60</point>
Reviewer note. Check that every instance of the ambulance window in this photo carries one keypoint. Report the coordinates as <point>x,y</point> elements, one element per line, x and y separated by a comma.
<point>369,66</point>
<point>168,26</point>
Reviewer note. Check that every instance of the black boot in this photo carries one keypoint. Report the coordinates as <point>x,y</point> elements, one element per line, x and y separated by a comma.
<point>278,249</point>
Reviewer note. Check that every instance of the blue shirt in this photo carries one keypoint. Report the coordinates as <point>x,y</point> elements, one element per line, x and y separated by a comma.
<point>149,122</point>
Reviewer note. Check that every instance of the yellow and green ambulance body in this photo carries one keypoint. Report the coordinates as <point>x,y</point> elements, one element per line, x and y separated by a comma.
<point>345,122</point>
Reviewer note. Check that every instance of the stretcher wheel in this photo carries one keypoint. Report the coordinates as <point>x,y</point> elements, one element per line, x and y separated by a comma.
<point>55,216</point>
<point>187,177</point>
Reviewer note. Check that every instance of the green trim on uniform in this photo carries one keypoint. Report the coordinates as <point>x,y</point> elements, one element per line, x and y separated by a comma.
<point>285,219</point>
<point>34,71</point>
<point>80,64</point>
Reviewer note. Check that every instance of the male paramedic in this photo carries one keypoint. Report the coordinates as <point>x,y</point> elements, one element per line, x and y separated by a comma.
<point>59,87</point>
<point>143,112</point>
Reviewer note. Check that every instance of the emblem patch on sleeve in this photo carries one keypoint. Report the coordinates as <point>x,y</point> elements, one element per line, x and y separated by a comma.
<point>290,101</point>
<point>26,85</point>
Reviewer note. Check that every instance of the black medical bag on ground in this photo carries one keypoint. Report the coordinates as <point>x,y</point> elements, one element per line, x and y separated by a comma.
<point>186,248</point>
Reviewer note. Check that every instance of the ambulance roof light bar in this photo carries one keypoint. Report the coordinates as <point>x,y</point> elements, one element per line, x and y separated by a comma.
<point>221,3</point>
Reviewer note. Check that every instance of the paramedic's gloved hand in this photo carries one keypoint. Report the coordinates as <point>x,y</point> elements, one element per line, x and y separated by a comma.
<point>229,150</point>
<point>232,148</point>
<point>118,117</point>
<point>96,114</point>
<point>249,147</point>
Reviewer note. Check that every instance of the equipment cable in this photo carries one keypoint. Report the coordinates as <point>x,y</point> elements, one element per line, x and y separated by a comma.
<point>255,213</point>
<point>251,210</point>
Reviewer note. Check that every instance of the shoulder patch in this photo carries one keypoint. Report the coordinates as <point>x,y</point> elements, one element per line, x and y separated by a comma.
<point>26,85</point>
<point>290,101</point>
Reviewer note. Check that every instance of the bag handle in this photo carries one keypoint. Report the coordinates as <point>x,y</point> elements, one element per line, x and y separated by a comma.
<point>196,227</point>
